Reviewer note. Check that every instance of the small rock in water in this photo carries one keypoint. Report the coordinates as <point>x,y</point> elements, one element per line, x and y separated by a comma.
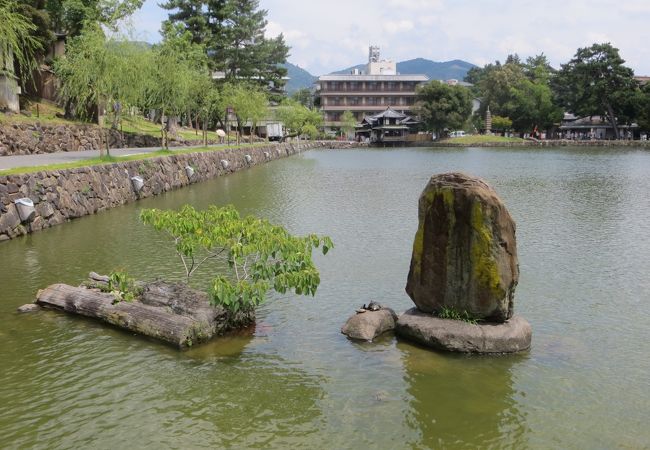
<point>29,307</point>
<point>369,325</point>
<point>381,396</point>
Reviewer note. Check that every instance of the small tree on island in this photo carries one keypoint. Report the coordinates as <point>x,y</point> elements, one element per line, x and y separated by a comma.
<point>261,256</point>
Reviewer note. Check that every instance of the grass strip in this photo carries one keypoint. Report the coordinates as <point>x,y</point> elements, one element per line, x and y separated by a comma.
<point>116,159</point>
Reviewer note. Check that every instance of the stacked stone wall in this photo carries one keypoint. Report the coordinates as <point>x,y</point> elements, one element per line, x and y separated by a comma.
<point>34,138</point>
<point>62,195</point>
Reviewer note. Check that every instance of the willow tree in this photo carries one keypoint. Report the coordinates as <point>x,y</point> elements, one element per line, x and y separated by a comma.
<point>248,102</point>
<point>298,119</point>
<point>174,67</point>
<point>101,74</point>
<point>348,121</point>
<point>17,41</point>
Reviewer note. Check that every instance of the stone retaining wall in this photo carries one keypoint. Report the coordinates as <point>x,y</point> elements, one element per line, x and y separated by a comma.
<point>541,143</point>
<point>28,139</point>
<point>62,195</point>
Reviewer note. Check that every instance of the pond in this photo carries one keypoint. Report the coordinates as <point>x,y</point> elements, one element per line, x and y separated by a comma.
<point>583,228</point>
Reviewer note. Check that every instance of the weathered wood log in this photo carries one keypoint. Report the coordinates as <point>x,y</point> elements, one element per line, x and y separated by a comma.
<point>173,313</point>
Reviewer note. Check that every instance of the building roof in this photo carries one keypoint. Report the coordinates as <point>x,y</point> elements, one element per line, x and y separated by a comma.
<point>588,122</point>
<point>391,127</point>
<point>402,119</point>
<point>390,113</point>
<point>350,77</point>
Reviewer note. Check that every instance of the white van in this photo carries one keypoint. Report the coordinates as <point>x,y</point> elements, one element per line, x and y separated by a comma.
<point>454,134</point>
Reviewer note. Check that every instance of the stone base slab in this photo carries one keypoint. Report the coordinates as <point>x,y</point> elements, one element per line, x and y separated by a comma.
<point>458,336</point>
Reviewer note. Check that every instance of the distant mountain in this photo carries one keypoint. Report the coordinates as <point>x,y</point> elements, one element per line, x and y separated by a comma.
<point>456,69</point>
<point>298,78</point>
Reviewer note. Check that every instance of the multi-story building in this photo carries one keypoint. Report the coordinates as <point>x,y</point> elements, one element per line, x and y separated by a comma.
<point>366,93</point>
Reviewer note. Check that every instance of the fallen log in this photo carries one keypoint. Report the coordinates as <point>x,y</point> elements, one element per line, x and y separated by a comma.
<point>173,313</point>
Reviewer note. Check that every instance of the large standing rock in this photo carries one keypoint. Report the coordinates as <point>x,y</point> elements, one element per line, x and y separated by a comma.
<point>464,253</point>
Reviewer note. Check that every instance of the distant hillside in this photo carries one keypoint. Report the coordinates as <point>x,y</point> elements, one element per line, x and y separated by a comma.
<point>435,70</point>
<point>457,69</point>
<point>299,78</point>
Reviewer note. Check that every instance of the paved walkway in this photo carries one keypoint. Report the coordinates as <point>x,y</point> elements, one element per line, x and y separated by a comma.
<point>10,162</point>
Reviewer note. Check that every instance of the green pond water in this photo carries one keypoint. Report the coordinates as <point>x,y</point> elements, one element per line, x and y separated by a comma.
<point>583,228</point>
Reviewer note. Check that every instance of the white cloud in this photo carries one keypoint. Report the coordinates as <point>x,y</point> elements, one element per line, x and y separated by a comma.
<point>399,26</point>
<point>328,36</point>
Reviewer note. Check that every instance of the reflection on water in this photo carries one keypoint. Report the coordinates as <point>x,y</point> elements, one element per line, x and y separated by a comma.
<point>80,392</point>
<point>583,221</point>
<point>464,402</point>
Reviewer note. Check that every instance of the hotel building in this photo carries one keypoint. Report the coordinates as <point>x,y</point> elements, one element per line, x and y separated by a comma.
<point>367,93</point>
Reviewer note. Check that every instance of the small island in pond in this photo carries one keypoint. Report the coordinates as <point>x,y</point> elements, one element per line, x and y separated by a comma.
<point>261,256</point>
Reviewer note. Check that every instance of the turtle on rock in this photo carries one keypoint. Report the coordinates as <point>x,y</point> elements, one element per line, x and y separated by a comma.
<point>373,306</point>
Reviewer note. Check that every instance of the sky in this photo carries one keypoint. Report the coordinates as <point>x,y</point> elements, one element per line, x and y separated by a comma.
<point>330,35</point>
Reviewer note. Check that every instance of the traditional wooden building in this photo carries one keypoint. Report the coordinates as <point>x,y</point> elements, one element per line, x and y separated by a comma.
<point>388,127</point>
<point>594,127</point>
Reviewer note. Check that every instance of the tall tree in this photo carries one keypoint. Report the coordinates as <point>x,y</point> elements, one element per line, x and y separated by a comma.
<point>596,82</point>
<point>70,16</point>
<point>233,34</point>
<point>195,16</point>
<point>442,106</point>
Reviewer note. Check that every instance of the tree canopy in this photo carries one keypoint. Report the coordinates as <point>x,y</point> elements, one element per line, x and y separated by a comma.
<point>596,82</point>
<point>247,101</point>
<point>441,106</point>
<point>298,119</point>
<point>518,90</point>
<point>232,32</point>
<point>260,256</point>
